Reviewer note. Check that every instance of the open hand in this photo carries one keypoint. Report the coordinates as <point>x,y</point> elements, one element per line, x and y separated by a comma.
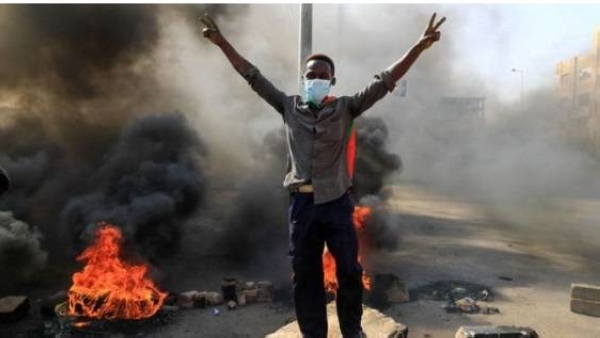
<point>431,33</point>
<point>211,30</point>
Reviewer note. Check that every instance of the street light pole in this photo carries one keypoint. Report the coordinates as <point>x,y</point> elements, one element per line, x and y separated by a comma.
<point>520,71</point>
<point>305,44</point>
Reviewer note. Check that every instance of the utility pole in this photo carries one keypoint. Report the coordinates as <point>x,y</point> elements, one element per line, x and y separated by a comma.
<point>305,45</point>
<point>520,71</point>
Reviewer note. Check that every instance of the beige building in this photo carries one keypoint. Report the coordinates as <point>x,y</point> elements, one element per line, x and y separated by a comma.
<point>578,90</point>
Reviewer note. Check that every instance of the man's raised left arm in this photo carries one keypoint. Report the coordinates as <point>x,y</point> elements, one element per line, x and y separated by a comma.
<point>386,81</point>
<point>431,35</point>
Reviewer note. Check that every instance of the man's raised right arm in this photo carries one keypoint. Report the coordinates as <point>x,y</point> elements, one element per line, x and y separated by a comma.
<point>259,83</point>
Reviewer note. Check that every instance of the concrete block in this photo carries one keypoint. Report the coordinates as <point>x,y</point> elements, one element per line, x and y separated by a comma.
<point>490,331</point>
<point>585,292</point>
<point>374,323</point>
<point>13,308</point>
<point>585,307</point>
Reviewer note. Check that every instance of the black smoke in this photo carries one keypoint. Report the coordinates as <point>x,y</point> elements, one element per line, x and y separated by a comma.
<point>21,255</point>
<point>148,184</point>
<point>374,163</point>
<point>70,49</point>
<point>257,223</point>
<point>72,77</point>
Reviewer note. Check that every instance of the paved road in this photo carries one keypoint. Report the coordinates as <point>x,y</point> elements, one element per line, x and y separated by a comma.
<point>543,246</point>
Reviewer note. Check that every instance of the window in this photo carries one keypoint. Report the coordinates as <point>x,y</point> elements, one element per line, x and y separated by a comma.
<point>564,79</point>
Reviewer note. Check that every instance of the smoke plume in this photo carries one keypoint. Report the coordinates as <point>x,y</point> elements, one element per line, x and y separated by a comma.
<point>148,184</point>
<point>21,255</point>
<point>256,226</point>
<point>71,78</point>
<point>373,162</point>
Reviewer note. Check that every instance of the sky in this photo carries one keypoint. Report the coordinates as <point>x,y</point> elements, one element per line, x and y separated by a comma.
<point>492,39</point>
<point>531,37</point>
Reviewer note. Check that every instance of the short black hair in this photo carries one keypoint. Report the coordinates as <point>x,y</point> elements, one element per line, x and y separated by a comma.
<point>321,57</point>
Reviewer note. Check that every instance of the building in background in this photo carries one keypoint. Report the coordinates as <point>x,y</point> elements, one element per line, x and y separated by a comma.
<point>457,119</point>
<point>578,91</point>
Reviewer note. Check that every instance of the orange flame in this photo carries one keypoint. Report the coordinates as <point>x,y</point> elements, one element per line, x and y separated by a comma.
<point>360,216</point>
<point>109,288</point>
<point>330,279</point>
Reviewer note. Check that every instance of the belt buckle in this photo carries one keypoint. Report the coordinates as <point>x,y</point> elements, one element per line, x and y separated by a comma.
<point>302,189</point>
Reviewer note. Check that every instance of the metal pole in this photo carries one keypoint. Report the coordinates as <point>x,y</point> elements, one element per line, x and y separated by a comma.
<point>305,46</point>
<point>522,87</point>
<point>520,71</point>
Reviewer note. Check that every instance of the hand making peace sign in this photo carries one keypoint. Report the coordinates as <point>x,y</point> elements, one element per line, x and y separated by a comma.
<point>211,31</point>
<point>431,33</point>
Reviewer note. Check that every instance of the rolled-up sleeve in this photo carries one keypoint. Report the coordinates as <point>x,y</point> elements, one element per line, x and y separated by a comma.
<point>373,92</point>
<point>265,89</point>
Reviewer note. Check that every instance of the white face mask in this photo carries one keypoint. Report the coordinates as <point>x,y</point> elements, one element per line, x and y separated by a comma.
<point>316,90</point>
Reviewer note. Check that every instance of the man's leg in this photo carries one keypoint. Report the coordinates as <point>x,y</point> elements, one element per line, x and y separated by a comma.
<point>343,243</point>
<point>306,251</point>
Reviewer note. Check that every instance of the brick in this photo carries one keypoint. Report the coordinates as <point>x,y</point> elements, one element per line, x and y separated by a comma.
<point>213,298</point>
<point>266,291</point>
<point>585,292</point>
<point>585,307</point>
<point>251,295</point>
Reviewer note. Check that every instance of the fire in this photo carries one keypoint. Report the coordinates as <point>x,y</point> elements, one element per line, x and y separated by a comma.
<point>360,216</point>
<point>109,288</point>
<point>331,283</point>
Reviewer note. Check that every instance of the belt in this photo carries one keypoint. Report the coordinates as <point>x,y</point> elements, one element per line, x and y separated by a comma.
<point>304,189</point>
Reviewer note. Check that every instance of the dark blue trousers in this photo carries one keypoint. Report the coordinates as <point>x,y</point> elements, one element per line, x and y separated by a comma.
<point>311,226</point>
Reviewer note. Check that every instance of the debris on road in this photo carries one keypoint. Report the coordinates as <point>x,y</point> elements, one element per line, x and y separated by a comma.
<point>451,291</point>
<point>387,289</point>
<point>460,297</point>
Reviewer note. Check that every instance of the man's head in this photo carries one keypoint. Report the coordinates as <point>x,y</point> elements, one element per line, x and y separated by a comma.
<point>319,66</point>
<point>318,78</point>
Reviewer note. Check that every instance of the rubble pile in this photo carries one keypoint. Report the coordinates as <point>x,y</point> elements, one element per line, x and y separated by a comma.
<point>459,297</point>
<point>387,289</point>
<point>233,293</point>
